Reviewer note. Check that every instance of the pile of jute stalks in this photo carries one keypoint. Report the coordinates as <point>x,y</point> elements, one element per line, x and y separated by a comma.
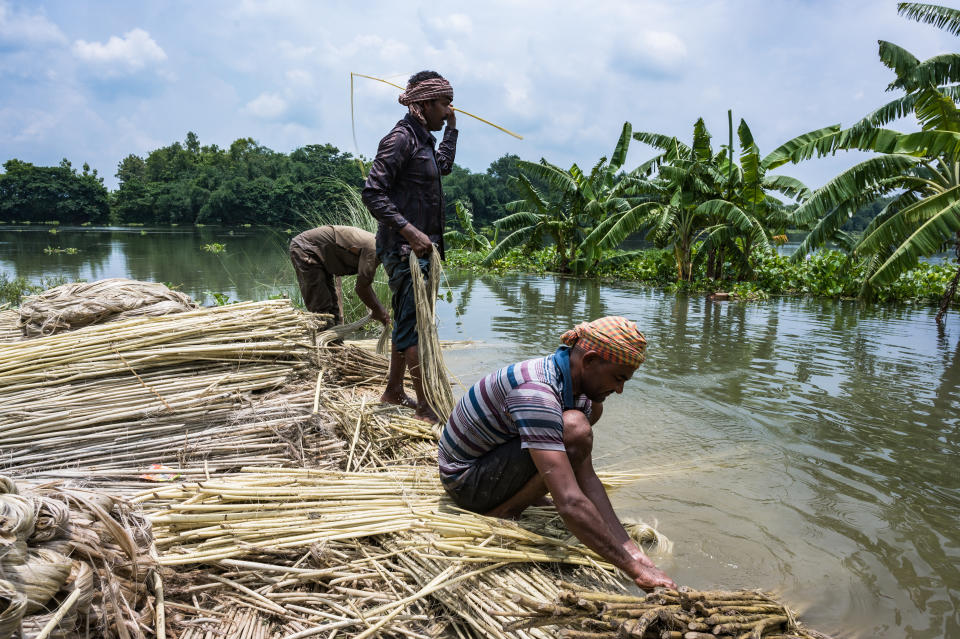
<point>580,613</point>
<point>190,390</point>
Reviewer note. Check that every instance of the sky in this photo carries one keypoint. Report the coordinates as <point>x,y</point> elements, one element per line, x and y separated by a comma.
<point>96,81</point>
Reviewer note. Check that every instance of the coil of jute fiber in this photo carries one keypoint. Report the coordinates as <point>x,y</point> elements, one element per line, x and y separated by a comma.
<point>64,628</point>
<point>7,486</point>
<point>81,578</point>
<point>17,518</point>
<point>13,605</point>
<point>40,577</point>
<point>79,304</point>
<point>51,520</point>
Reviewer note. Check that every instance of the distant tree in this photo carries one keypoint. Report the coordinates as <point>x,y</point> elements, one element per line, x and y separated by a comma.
<point>31,193</point>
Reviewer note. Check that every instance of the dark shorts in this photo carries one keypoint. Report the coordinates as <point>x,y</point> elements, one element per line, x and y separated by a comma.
<point>404,305</point>
<point>494,478</point>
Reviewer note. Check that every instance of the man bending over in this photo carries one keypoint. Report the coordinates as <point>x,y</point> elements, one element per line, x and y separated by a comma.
<point>526,430</point>
<point>327,251</point>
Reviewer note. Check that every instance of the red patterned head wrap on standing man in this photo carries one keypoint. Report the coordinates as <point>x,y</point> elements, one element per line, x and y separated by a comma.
<point>423,91</point>
<point>615,339</point>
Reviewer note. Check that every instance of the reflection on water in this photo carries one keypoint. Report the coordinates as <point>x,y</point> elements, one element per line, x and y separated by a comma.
<point>254,265</point>
<point>804,446</point>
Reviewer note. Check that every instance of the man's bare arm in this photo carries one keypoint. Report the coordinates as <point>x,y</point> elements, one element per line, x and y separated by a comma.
<point>586,522</point>
<point>369,298</point>
<point>596,493</point>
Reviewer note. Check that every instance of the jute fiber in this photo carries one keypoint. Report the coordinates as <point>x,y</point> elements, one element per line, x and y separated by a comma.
<point>71,306</point>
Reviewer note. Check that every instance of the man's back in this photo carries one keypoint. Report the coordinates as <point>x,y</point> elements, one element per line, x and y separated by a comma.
<point>525,400</point>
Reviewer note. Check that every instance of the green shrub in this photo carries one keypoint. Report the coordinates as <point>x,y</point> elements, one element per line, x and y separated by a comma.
<point>13,290</point>
<point>824,274</point>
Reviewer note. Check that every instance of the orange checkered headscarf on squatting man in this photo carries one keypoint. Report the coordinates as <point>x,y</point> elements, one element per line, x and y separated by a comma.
<point>423,91</point>
<point>615,339</point>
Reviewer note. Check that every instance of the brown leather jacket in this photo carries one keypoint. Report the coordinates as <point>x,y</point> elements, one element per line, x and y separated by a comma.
<point>404,184</point>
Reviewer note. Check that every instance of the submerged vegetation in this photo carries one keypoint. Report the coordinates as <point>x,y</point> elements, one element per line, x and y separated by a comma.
<point>215,248</point>
<point>832,274</point>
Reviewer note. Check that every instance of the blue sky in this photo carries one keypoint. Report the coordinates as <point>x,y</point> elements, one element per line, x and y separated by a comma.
<point>96,81</point>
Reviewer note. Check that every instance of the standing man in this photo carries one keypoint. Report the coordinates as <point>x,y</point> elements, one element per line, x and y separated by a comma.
<point>404,194</point>
<point>527,430</point>
<point>327,251</point>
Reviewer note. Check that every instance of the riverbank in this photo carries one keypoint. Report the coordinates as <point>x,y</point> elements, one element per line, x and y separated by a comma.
<point>824,274</point>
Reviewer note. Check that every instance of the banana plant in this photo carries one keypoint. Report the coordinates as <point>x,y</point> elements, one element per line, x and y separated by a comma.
<point>688,193</point>
<point>469,239</point>
<point>582,201</point>
<point>921,168</point>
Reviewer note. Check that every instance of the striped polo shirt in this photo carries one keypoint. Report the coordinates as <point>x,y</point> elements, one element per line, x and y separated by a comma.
<point>524,400</point>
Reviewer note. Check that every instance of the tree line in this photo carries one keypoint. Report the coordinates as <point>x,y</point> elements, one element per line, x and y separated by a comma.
<point>247,183</point>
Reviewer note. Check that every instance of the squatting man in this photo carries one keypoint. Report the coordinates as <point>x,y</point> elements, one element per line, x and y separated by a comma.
<point>527,429</point>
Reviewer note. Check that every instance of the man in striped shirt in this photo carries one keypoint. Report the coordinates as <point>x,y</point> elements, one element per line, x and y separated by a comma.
<point>526,430</point>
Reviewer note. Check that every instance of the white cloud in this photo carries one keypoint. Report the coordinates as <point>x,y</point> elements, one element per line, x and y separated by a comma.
<point>664,48</point>
<point>299,78</point>
<point>20,30</point>
<point>268,106</point>
<point>364,49</point>
<point>292,51</point>
<point>135,50</point>
<point>651,53</point>
<point>454,24</point>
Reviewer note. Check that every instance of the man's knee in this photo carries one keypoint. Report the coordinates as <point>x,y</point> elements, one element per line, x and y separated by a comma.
<point>577,436</point>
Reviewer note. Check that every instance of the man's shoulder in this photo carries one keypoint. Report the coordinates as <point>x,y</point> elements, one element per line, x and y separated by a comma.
<point>530,372</point>
<point>353,236</point>
<point>402,129</point>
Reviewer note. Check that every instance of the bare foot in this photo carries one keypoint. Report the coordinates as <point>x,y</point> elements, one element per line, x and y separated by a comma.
<point>399,399</point>
<point>426,415</point>
<point>543,501</point>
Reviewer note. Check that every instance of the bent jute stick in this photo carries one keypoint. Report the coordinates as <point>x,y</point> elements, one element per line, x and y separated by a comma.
<point>370,77</point>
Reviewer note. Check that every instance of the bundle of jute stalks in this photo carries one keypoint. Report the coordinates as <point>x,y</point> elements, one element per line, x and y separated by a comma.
<point>580,613</point>
<point>139,390</point>
<point>72,560</point>
<point>377,436</point>
<point>275,428</point>
<point>317,590</point>
<point>412,551</point>
<point>250,331</point>
<point>9,326</point>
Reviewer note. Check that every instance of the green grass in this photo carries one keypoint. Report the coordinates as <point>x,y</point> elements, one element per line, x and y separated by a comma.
<point>13,290</point>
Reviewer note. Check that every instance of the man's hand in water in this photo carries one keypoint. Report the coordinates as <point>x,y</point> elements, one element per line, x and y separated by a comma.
<point>647,575</point>
<point>652,577</point>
